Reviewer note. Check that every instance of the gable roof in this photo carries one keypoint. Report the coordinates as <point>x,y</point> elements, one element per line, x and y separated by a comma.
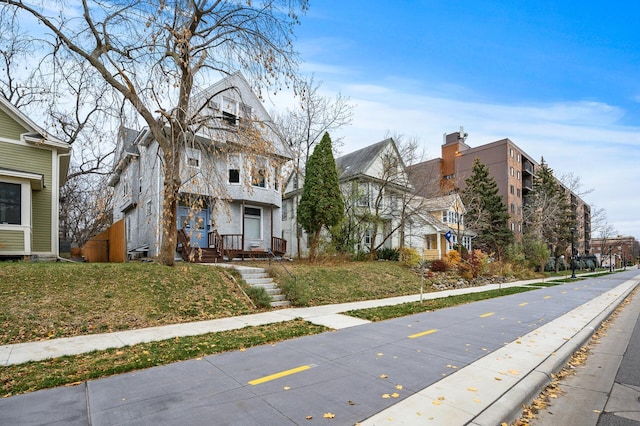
<point>358,162</point>
<point>33,132</point>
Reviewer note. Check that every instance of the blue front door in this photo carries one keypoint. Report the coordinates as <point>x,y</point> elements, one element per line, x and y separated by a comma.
<point>195,225</point>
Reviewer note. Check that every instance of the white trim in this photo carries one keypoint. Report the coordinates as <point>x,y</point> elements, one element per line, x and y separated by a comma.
<point>244,216</point>
<point>25,217</point>
<point>55,207</point>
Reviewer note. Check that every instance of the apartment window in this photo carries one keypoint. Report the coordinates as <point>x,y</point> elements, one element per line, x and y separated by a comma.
<point>519,211</point>
<point>253,223</point>
<point>193,157</point>
<point>518,175</point>
<point>10,203</point>
<point>511,171</point>
<point>513,227</point>
<point>518,192</point>
<point>518,158</point>
<point>519,228</point>
<point>511,189</point>
<point>511,152</point>
<point>513,208</point>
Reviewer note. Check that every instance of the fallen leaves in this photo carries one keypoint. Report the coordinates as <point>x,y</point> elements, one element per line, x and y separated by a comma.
<point>472,389</point>
<point>328,415</point>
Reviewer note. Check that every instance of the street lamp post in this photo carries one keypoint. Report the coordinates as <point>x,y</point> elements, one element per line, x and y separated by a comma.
<point>573,264</point>
<point>610,265</point>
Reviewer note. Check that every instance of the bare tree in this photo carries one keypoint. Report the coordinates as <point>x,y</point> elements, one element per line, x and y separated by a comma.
<point>153,54</point>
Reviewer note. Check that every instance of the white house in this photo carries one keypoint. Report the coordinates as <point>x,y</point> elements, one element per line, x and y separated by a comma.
<point>375,183</point>
<point>230,197</point>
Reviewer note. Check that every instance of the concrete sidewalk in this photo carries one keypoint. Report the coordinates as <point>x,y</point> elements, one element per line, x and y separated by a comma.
<point>326,315</point>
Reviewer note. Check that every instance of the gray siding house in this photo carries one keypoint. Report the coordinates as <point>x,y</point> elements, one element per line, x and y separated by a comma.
<point>230,196</point>
<point>33,167</point>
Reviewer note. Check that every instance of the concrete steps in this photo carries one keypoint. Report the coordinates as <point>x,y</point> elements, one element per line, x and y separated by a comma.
<point>257,277</point>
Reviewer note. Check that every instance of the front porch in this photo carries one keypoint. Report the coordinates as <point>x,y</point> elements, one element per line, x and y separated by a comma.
<point>226,247</point>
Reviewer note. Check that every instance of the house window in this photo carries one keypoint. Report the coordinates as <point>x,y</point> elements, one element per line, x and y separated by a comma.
<point>259,178</point>
<point>234,175</point>
<point>368,237</point>
<point>193,157</point>
<point>363,199</point>
<point>125,188</point>
<point>253,223</point>
<point>148,208</point>
<point>276,179</point>
<point>285,207</point>
<point>519,228</point>
<point>245,111</point>
<point>10,203</point>
<point>229,111</point>
<point>444,216</point>
<point>513,227</point>
<point>295,181</point>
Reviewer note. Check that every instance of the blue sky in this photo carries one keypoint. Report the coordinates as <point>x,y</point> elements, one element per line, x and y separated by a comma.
<point>561,79</point>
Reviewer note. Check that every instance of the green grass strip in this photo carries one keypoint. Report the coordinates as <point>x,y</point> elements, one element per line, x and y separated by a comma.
<point>75,369</point>
<point>387,312</point>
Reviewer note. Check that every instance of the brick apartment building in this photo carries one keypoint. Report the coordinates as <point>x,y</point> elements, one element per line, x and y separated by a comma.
<point>618,250</point>
<point>511,167</point>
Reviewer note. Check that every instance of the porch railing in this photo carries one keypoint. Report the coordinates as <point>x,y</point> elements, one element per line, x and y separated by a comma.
<point>278,246</point>
<point>184,245</point>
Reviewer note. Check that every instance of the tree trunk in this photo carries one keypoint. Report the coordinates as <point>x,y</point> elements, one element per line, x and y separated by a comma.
<point>314,245</point>
<point>170,200</point>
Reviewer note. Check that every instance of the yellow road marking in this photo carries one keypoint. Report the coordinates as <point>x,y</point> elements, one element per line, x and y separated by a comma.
<point>547,297</point>
<point>279,375</point>
<point>524,304</point>
<point>488,314</point>
<point>424,333</point>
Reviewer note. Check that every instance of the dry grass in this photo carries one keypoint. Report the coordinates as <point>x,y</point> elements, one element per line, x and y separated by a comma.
<point>341,282</point>
<point>49,300</point>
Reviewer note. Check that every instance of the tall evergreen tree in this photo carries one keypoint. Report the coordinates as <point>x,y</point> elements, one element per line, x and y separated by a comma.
<point>487,214</point>
<point>321,204</point>
<point>548,215</point>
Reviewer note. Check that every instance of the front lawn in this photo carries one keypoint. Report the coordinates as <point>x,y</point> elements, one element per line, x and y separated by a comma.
<point>49,300</point>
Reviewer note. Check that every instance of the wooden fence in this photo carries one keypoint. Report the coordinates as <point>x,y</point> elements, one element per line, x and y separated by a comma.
<point>108,246</point>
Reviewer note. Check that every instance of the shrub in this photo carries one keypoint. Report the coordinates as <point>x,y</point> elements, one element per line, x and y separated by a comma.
<point>439,265</point>
<point>409,257</point>
<point>259,296</point>
<point>453,258</point>
<point>388,254</point>
<point>297,292</point>
<point>477,263</point>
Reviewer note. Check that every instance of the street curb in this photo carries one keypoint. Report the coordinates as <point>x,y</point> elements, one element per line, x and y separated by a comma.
<point>508,407</point>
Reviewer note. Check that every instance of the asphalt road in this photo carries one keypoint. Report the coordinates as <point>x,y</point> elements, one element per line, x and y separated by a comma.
<point>341,377</point>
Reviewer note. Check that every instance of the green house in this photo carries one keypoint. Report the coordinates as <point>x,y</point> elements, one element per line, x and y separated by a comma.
<point>33,167</point>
